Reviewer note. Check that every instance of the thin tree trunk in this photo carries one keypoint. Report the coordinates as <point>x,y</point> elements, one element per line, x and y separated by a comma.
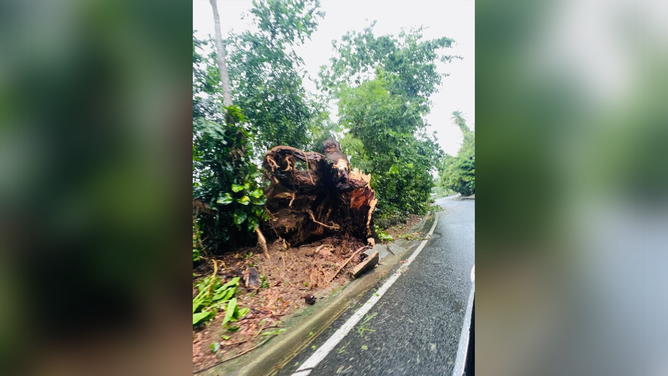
<point>220,49</point>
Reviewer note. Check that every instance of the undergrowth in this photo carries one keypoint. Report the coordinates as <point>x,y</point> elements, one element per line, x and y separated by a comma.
<point>214,295</point>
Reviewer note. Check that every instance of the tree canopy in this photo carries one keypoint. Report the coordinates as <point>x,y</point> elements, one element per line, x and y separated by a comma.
<point>383,85</point>
<point>408,61</point>
<point>458,173</point>
<point>266,72</point>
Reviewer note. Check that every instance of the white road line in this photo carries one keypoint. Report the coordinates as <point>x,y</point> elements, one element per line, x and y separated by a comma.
<point>334,340</point>
<point>302,373</point>
<point>462,350</point>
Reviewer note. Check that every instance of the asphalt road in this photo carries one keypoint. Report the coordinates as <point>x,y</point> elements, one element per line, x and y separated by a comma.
<point>416,326</point>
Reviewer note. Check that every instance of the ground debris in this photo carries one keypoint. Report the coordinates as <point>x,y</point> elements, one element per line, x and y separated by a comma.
<point>367,264</point>
<point>251,279</point>
<point>309,299</point>
<point>275,288</point>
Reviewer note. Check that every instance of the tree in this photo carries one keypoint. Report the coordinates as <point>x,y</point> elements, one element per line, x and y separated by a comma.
<point>458,173</point>
<point>385,138</point>
<point>383,85</point>
<point>222,65</point>
<point>227,190</point>
<point>409,63</point>
<point>266,73</point>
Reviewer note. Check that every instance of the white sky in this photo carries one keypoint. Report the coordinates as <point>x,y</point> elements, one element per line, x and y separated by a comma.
<point>450,18</point>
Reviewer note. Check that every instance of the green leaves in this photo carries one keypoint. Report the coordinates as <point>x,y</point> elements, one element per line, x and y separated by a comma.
<point>215,347</point>
<point>386,138</point>
<point>406,63</point>
<point>239,217</point>
<point>383,117</point>
<point>265,72</point>
<point>383,236</point>
<point>233,313</point>
<point>458,173</point>
<point>273,332</point>
<point>212,296</point>
<point>259,201</point>
<point>225,199</point>
<point>393,169</point>
<point>202,316</point>
<point>229,311</point>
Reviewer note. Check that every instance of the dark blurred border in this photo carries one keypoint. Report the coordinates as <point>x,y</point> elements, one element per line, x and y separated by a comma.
<point>95,187</point>
<point>572,187</point>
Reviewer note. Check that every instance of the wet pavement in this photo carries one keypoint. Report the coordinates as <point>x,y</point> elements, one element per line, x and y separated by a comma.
<point>415,328</point>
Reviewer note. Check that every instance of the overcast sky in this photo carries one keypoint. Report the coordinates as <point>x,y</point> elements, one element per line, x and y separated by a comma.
<point>450,18</point>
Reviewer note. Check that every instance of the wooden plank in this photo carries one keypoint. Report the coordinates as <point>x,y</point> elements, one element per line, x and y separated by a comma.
<point>368,264</point>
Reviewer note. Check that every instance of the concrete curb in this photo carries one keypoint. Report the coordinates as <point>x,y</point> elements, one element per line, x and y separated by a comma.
<point>459,197</point>
<point>274,355</point>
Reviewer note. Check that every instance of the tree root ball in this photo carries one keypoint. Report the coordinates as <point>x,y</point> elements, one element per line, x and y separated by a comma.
<point>313,195</point>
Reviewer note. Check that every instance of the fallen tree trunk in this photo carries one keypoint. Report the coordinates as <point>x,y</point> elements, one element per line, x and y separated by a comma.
<point>313,195</point>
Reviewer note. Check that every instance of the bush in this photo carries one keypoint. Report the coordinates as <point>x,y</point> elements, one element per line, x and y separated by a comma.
<point>226,183</point>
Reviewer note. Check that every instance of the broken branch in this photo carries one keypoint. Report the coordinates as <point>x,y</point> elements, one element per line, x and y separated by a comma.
<point>346,263</point>
<point>263,242</point>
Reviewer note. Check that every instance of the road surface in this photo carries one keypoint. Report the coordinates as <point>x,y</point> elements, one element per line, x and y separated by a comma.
<point>415,327</point>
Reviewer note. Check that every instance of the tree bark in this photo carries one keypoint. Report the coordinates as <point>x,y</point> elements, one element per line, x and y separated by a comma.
<point>314,195</point>
<point>220,53</point>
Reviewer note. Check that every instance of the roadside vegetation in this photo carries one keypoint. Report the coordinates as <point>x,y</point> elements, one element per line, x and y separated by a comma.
<point>458,173</point>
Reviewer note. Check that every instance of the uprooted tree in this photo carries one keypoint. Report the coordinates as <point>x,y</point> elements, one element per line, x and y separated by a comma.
<point>313,195</point>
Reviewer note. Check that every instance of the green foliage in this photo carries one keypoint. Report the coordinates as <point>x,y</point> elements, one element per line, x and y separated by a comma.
<point>197,242</point>
<point>233,313</point>
<point>383,236</point>
<point>271,108</point>
<point>386,138</point>
<point>458,173</point>
<point>383,85</point>
<point>225,179</point>
<point>215,347</point>
<point>273,332</point>
<point>408,61</point>
<point>342,349</point>
<point>265,73</point>
<point>410,237</point>
<point>212,296</point>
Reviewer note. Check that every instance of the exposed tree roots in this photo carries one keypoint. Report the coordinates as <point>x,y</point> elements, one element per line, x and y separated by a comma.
<point>314,195</point>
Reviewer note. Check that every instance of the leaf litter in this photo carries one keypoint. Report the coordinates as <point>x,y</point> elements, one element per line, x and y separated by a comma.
<point>254,316</point>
